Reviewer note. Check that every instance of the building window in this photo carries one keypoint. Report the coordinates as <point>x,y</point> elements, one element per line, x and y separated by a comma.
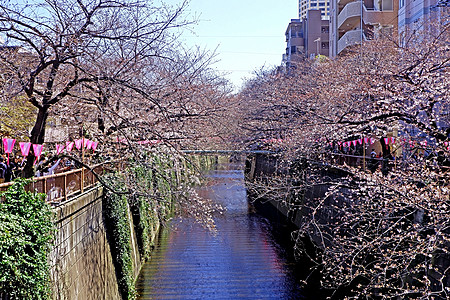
<point>385,5</point>
<point>325,45</point>
<point>313,4</point>
<point>293,49</point>
<point>321,3</point>
<point>325,29</point>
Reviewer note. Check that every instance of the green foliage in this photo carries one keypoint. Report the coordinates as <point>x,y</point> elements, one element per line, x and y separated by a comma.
<point>119,233</point>
<point>146,221</point>
<point>145,217</point>
<point>202,162</point>
<point>26,235</point>
<point>163,183</point>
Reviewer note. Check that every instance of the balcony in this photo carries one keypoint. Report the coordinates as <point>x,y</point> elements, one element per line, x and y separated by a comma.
<point>350,38</point>
<point>298,41</point>
<point>343,2</point>
<point>384,17</point>
<point>350,16</point>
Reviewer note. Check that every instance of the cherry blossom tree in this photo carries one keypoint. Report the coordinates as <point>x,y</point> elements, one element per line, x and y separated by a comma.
<point>380,234</point>
<point>114,69</point>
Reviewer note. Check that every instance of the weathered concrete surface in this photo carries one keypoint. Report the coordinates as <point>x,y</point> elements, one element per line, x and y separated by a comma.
<point>81,261</point>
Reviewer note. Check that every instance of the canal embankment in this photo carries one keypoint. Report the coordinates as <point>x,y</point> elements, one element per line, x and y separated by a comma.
<point>105,234</point>
<point>340,224</point>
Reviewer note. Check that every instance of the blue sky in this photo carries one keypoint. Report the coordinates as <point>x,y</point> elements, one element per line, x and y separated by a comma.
<point>247,34</point>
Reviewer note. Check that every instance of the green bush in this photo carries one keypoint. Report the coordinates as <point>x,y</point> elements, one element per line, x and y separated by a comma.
<point>115,207</point>
<point>26,236</point>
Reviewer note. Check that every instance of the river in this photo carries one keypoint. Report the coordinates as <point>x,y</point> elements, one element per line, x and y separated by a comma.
<point>244,260</point>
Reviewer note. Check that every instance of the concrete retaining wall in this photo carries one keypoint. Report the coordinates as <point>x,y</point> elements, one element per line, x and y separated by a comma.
<point>81,261</point>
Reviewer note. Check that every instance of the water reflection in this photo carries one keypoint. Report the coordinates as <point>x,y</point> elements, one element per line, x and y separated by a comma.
<point>242,261</point>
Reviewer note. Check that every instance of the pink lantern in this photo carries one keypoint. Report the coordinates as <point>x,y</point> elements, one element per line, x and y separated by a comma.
<point>386,141</point>
<point>366,140</point>
<point>354,142</point>
<point>392,140</point>
<point>372,141</point>
<point>85,142</point>
<point>89,144</point>
<point>78,144</point>
<point>94,146</point>
<point>69,146</point>
<point>25,148</point>
<point>37,152</point>
<point>8,145</point>
<point>360,141</point>
<point>59,149</point>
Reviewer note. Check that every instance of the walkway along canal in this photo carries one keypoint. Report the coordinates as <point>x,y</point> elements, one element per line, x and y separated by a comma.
<point>244,260</point>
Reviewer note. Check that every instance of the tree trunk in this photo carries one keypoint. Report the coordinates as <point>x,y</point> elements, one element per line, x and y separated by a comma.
<point>37,137</point>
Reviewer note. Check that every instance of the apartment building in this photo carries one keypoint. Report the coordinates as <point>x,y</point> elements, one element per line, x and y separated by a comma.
<point>322,5</point>
<point>420,15</point>
<point>354,21</point>
<point>317,34</point>
<point>306,38</point>
<point>295,43</point>
<point>421,18</point>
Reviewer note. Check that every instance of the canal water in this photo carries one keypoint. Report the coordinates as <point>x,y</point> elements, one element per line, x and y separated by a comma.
<point>244,260</point>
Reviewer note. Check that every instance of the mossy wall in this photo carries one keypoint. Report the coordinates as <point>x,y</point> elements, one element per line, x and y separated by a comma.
<point>104,236</point>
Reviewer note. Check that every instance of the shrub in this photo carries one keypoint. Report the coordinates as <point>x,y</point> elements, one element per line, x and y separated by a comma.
<point>26,236</point>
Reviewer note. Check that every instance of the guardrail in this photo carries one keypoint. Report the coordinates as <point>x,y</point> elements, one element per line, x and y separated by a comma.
<point>350,38</point>
<point>59,187</point>
<point>363,162</point>
<point>228,152</point>
<point>351,160</point>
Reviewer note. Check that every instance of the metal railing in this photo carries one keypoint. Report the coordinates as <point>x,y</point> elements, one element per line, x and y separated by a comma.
<point>350,10</point>
<point>227,152</point>
<point>351,160</point>
<point>59,187</point>
<point>362,162</point>
<point>351,38</point>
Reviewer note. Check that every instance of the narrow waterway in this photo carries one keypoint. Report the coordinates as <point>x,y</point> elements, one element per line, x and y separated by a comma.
<point>242,261</point>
